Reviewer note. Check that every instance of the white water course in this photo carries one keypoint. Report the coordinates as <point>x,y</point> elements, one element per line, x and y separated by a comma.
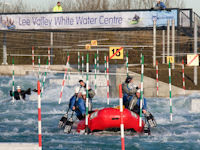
<point>19,121</point>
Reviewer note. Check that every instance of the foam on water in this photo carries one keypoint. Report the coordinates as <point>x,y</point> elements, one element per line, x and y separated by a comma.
<point>18,121</point>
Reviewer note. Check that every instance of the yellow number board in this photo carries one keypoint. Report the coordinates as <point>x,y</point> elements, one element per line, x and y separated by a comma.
<point>116,53</point>
<point>171,59</point>
<point>94,42</point>
<point>88,46</point>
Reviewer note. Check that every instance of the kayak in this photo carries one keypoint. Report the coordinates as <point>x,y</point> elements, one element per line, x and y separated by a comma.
<point>108,119</point>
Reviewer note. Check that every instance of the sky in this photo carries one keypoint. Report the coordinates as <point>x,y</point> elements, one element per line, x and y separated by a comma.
<point>194,4</point>
<point>42,4</point>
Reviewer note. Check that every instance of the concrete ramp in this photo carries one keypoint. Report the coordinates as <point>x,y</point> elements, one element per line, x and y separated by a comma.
<point>195,105</point>
<point>19,146</point>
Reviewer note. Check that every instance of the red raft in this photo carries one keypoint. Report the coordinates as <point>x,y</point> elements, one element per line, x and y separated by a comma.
<point>108,119</point>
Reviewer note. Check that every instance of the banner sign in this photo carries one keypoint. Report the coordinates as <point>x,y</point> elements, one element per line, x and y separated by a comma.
<point>86,20</point>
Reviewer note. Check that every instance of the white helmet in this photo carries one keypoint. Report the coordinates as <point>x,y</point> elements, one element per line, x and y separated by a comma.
<point>77,89</point>
<point>18,87</point>
<point>138,91</point>
<point>158,0</point>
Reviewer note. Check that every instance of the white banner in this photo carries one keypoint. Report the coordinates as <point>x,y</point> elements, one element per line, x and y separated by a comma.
<point>57,21</point>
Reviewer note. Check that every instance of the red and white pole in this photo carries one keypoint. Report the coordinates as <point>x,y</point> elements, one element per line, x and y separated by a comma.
<point>183,71</point>
<point>49,58</point>
<point>39,117</point>
<point>33,61</point>
<point>121,118</point>
<point>63,83</point>
<point>157,76</point>
<point>108,101</point>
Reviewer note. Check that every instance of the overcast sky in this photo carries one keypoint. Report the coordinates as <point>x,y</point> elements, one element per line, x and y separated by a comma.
<point>44,4</point>
<point>195,4</point>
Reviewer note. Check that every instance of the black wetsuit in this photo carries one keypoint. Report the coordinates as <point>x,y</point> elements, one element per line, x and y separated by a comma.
<point>20,95</point>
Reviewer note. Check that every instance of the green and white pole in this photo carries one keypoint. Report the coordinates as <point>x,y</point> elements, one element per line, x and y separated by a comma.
<point>95,76</point>
<point>13,80</point>
<point>97,60</point>
<point>44,79</point>
<point>141,91</point>
<point>170,92</point>
<point>87,96</point>
<point>82,65</point>
<point>105,67</point>
<point>127,63</point>
<point>78,62</point>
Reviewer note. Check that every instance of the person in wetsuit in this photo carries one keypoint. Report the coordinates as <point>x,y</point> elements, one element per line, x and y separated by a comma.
<point>20,94</point>
<point>136,108</point>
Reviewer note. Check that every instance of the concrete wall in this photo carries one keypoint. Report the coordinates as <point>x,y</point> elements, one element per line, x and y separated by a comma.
<point>26,69</point>
<point>150,88</point>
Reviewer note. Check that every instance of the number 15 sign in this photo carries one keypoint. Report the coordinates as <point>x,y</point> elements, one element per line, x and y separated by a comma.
<point>116,53</point>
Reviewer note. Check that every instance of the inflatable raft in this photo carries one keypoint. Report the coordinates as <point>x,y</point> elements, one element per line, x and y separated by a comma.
<point>108,119</point>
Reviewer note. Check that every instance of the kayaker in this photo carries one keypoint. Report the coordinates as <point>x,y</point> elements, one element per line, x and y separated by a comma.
<point>20,94</point>
<point>128,90</point>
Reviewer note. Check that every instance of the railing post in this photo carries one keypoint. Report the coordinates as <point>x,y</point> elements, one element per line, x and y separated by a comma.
<point>51,43</point>
<point>163,56</point>
<point>154,43</point>
<point>4,49</point>
<point>173,42</point>
<point>195,48</point>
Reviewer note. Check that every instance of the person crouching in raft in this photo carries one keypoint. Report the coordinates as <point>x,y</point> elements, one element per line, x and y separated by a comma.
<point>20,94</point>
<point>129,90</point>
<point>77,103</point>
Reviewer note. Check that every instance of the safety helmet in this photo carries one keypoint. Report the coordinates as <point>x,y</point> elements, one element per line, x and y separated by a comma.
<point>18,87</point>
<point>77,89</point>
<point>138,91</point>
<point>128,79</point>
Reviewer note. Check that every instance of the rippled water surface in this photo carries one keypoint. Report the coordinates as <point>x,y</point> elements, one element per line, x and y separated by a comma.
<point>18,121</point>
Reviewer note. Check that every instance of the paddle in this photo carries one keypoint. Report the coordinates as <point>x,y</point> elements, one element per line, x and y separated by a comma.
<point>146,127</point>
<point>65,121</point>
<point>69,123</point>
<point>150,122</point>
